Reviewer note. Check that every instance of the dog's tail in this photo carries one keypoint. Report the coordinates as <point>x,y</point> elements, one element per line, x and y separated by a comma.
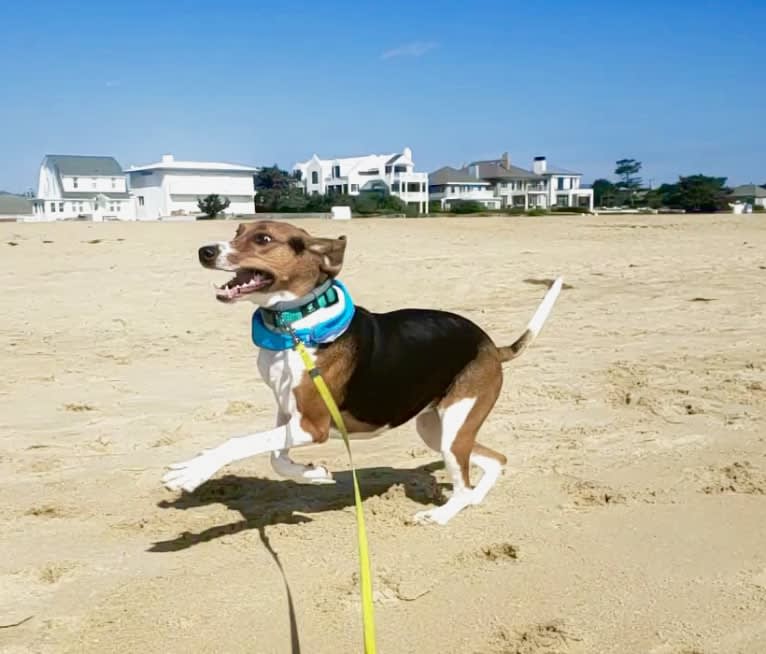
<point>535,325</point>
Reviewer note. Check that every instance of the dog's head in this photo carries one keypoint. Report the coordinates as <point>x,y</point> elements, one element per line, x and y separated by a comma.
<point>273,262</point>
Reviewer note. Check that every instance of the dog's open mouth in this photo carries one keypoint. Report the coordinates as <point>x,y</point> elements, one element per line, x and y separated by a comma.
<point>247,280</point>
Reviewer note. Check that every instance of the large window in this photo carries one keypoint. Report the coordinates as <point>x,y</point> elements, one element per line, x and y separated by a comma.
<point>336,171</point>
<point>562,200</point>
<point>314,177</point>
<point>74,182</point>
<point>372,171</point>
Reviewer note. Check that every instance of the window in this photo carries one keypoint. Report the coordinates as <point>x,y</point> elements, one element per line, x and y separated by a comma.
<point>94,182</point>
<point>74,182</point>
<point>388,169</point>
<point>61,207</point>
<point>53,207</point>
<point>314,177</point>
<point>400,169</point>
<point>372,171</point>
<point>355,188</point>
<point>395,187</point>
<point>117,207</point>
<point>140,200</point>
<point>562,200</point>
<point>114,182</point>
<point>336,171</point>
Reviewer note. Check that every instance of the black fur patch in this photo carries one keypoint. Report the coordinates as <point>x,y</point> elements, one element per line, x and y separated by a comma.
<point>297,244</point>
<point>406,360</point>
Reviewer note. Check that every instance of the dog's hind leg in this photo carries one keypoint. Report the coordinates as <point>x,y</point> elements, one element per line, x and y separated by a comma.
<point>462,413</point>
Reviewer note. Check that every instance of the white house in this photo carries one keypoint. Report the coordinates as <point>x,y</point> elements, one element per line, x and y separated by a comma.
<point>353,175</point>
<point>542,187</point>
<point>172,188</point>
<point>448,185</point>
<point>72,186</point>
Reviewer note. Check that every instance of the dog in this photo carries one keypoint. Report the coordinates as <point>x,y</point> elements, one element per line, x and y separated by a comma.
<point>383,369</point>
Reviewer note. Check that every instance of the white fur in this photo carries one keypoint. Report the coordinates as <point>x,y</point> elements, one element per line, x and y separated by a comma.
<point>544,310</point>
<point>282,371</point>
<point>452,419</point>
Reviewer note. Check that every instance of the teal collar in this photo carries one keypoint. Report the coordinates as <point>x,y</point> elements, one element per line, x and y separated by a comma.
<point>272,328</point>
<point>283,314</point>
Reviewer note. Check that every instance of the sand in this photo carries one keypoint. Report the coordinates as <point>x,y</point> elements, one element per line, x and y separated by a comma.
<point>631,517</point>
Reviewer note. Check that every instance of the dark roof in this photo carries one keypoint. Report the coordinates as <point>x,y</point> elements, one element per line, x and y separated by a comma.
<point>392,159</point>
<point>69,164</point>
<point>87,195</point>
<point>555,170</point>
<point>749,191</point>
<point>494,169</point>
<point>14,204</point>
<point>449,175</point>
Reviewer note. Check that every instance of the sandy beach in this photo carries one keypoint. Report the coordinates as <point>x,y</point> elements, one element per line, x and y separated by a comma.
<point>631,517</point>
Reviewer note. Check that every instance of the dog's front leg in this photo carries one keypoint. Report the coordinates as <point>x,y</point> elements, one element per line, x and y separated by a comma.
<point>190,474</point>
<point>283,465</point>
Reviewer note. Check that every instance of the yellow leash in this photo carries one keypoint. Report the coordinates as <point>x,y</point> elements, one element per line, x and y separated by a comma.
<point>368,612</point>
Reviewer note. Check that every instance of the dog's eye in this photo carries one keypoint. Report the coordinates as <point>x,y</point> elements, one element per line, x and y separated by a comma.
<point>262,239</point>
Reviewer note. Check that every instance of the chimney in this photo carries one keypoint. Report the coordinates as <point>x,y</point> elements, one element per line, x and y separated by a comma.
<point>539,165</point>
<point>505,160</point>
<point>474,170</point>
<point>167,158</point>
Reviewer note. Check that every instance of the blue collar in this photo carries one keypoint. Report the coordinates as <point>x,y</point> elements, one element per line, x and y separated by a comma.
<point>270,326</point>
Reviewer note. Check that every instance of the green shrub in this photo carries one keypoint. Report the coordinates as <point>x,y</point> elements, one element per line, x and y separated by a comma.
<point>537,212</point>
<point>466,206</point>
<point>515,211</point>
<point>757,208</point>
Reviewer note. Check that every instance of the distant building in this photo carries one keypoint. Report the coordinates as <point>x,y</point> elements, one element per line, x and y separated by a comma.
<point>542,187</point>
<point>15,207</point>
<point>448,185</point>
<point>74,186</point>
<point>394,173</point>
<point>752,193</point>
<point>172,188</point>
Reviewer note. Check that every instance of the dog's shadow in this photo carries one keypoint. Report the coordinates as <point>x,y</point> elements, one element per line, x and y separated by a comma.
<point>263,502</point>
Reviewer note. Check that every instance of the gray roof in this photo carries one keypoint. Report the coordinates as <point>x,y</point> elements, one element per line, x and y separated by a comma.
<point>69,164</point>
<point>749,191</point>
<point>494,169</point>
<point>449,175</point>
<point>14,205</point>
<point>556,170</point>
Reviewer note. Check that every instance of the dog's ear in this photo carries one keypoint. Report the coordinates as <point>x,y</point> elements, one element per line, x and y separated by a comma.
<point>330,252</point>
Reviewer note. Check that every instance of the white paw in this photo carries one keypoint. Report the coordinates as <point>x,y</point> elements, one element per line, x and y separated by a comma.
<point>318,475</point>
<point>191,474</point>
<point>431,517</point>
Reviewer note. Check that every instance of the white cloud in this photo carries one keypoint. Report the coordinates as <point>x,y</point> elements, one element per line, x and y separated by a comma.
<point>414,49</point>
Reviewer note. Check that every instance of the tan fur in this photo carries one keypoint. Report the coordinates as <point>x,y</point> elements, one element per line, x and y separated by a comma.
<point>297,272</point>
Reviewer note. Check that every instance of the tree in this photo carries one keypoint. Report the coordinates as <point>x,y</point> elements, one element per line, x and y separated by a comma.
<point>604,192</point>
<point>212,205</point>
<point>273,177</point>
<point>694,193</point>
<point>627,170</point>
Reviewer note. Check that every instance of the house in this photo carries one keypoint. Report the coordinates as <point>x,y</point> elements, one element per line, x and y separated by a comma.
<point>172,188</point>
<point>542,187</point>
<point>14,207</point>
<point>752,193</point>
<point>394,173</point>
<point>449,185</point>
<point>74,186</point>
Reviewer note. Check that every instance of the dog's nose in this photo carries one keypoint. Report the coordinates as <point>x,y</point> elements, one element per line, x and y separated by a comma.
<point>208,254</point>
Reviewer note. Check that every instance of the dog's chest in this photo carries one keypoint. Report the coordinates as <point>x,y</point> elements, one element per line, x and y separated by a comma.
<point>282,371</point>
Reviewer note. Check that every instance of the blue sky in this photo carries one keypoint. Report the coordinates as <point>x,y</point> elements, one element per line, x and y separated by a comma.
<point>679,85</point>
